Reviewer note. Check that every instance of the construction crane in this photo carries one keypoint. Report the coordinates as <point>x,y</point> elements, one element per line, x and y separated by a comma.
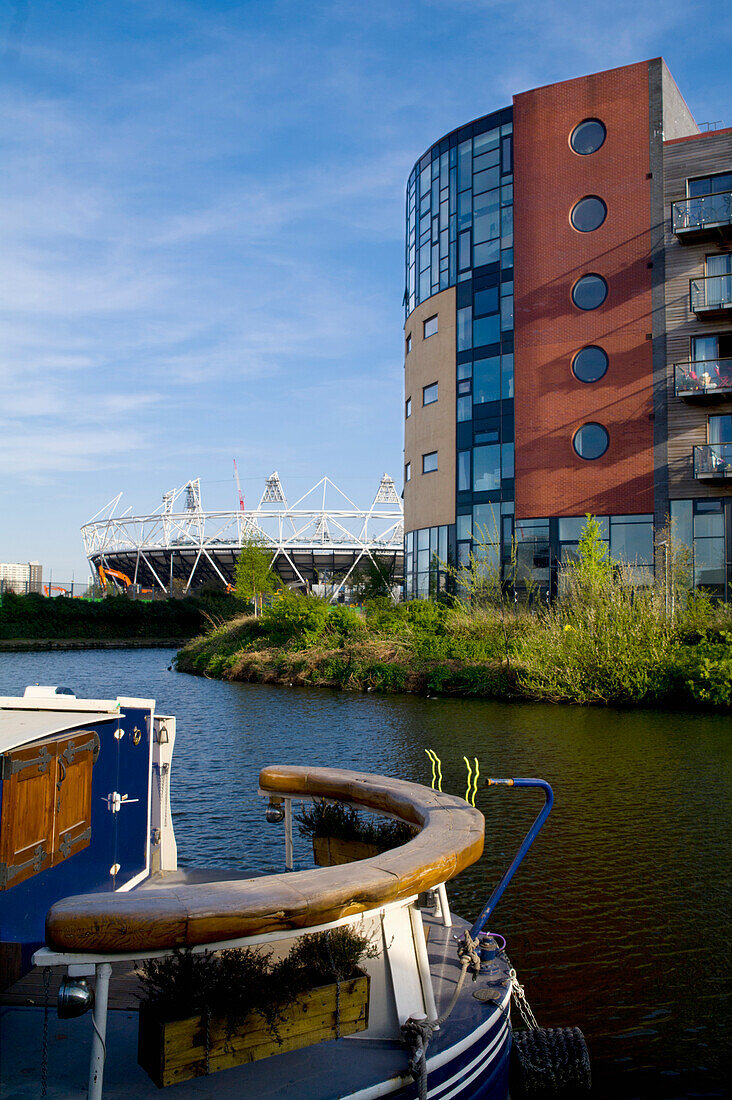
<point>49,588</point>
<point>238,487</point>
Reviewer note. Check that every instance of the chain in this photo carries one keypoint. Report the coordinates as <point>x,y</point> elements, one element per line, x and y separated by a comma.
<point>519,996</point>
<point>338,985</point>
<point>44,1046</point>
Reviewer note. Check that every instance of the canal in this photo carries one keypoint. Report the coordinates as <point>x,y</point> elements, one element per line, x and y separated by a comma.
<point>617,921</point>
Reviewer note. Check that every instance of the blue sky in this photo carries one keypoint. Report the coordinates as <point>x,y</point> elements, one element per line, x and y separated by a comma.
<point>201,225</point>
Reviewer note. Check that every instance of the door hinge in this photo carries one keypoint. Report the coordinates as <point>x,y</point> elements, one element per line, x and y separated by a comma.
<point>8,873</point>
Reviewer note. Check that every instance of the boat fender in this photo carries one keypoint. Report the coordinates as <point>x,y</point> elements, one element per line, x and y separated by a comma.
<point>549,1062</point>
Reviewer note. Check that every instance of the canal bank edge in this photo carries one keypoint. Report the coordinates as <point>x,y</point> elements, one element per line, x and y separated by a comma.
<point>541,663</point>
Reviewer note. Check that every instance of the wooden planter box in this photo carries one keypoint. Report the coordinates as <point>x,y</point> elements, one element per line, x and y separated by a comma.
<point>331,851</point>
<point>175,1050</point>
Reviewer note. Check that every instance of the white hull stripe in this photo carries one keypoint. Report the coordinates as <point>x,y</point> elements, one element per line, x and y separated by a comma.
<point>394,1084</point>
<point>483,1058</point>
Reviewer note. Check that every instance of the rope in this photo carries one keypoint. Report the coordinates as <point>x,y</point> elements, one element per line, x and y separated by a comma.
<point>418,1030</point>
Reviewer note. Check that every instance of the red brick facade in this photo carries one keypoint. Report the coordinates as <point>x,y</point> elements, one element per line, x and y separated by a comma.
<point>550,403</point>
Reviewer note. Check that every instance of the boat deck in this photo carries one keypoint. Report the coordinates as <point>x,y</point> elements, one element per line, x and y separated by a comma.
<point>321,1072</point>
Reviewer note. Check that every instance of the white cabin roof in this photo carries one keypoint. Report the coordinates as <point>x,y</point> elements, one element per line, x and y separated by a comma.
<point>44,711</point>
<point>21,727</point>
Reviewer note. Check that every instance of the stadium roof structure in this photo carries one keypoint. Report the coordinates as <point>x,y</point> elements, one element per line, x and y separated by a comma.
<point>323,538</point>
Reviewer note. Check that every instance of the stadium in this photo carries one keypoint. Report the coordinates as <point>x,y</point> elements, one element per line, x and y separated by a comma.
<point>322,542</point>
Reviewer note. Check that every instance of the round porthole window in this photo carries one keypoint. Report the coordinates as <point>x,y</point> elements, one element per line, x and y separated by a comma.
<point>589,292</point>
<point>587,137</point>
<point>591,441</point>
<point>588,214</point>
<point>589,364</point>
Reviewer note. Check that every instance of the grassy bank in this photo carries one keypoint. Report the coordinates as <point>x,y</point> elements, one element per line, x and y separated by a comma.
<point>35,619</point>
<point>606,644</point>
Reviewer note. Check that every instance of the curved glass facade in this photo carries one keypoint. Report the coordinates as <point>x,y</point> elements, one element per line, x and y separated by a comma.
<point>459,232</point>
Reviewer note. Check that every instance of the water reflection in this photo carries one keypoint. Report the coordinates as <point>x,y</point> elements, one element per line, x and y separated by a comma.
<point>616,921</point>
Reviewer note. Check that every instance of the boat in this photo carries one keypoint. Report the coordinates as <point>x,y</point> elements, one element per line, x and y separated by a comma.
<point>90,888</point>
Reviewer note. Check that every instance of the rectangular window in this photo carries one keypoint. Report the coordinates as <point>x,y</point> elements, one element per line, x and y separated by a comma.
<point>507,460</point>
<point>485,160</point>
<point>487,380</point>
<point>408,471</point>
<point>486,330</point>
<point>720,429</point>
<point>465,210</point>
<point>464,409</point>
<point>409,343</point>
<point>407,408</point>
<point>507,376</point>
<point>429,462</point>
<point>463,471</point>
<point>709,185</point>
<point>486,181</point>
<point>465,328</point>
<point>430,326</point>
<point>465,251</point>
<point>488,253</point>
<point>486,468</point>
<point>486,301</point>
<point>465,165</point>
<point>483,142</point>
<point>429,394</point>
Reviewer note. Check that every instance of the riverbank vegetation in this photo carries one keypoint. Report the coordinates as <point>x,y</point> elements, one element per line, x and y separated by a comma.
<point>115,618</point>
<point>605,640</point>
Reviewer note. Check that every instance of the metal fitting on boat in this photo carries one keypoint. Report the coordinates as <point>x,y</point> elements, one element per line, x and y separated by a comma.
<point>275,812</point>
<point>74,998</point>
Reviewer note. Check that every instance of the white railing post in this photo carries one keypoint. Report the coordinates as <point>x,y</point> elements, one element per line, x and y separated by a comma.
<point>99,1023</point>
<point>289,862</point>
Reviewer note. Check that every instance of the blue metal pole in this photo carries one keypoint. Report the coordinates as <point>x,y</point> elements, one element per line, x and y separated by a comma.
<point>527,842</point>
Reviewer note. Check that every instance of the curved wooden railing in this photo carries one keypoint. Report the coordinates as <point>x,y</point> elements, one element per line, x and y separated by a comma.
<point>450,838</point>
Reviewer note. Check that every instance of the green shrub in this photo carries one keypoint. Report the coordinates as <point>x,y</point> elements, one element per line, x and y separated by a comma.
<point>334,819</point>
<point>343,623</point>
<point>294,618</point>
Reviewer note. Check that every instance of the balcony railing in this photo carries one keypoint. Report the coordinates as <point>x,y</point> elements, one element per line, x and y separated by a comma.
<point>713,461</point>
<point>703,378</point>
<point>712,295</point>
<point>705,215</point>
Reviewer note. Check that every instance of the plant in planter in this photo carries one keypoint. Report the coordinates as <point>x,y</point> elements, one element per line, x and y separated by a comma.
<point>340,834</point>
<point>203,1012</point>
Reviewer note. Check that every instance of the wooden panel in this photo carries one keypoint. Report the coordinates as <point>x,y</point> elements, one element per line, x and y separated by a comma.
<point>72,822</point>
<point>46,804</point>
<point>176,1050</point>
<point>703,155</point>
<point>26,828</point>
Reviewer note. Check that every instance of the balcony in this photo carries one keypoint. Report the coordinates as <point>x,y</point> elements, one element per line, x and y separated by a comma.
<point>706,218</point>
<point>706,379</point>
<point>713,462</point>
<point>711,297</point>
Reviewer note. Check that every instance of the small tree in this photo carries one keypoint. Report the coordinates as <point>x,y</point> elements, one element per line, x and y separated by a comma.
<point>254,576</point>
<point>593,568</point>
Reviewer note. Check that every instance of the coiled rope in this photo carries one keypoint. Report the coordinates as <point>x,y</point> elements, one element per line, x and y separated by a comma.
<point>418,1030</point>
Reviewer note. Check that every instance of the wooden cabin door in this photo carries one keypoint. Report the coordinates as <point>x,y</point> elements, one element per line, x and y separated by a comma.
<point>46,804</point>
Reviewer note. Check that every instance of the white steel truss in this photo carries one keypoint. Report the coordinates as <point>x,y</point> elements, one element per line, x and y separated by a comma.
<point>322,537</point>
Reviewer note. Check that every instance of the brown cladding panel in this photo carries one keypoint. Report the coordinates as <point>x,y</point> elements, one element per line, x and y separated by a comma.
<point>429,499</point>
<point>550,255</point>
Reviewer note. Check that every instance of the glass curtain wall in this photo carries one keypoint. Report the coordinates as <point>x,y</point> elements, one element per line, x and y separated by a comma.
<point>460,233</point>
